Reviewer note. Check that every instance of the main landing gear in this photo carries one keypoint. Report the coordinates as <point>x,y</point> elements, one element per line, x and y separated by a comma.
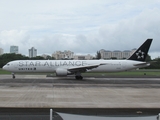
<point>79,77</point>
<point>13,76</point>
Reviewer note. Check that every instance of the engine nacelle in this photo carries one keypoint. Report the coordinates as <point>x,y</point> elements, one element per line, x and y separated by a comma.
<point>61,72</point>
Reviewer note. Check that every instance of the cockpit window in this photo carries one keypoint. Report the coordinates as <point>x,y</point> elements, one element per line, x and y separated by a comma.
<point>8,64</point>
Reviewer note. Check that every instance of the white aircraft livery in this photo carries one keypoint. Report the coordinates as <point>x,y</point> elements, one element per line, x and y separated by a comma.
<point>76,67</point>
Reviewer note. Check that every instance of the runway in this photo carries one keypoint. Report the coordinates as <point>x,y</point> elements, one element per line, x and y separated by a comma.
<point>39,91</point>
<point>66,82</point>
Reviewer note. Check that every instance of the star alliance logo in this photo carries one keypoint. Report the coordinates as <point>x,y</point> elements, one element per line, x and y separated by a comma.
<point>140,54</point>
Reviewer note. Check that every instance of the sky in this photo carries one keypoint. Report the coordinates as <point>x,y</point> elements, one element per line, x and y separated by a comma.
<point>81,26</point>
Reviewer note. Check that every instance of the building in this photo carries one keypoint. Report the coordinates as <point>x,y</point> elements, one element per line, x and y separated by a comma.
<point>14,49</point>
<point>32,52</point>
<point>106,54</point>
<point>133,50</point>
<point>117,54</point>
<point>126,54</point>
<point>1,51</point>
<point>59,55</point>
<point>45,56</point>
<point>83,57</point>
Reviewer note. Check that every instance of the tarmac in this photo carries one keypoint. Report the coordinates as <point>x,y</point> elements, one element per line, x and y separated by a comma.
<point>39,91</point>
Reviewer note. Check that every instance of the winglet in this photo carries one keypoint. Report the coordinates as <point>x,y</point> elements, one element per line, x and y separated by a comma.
<point>141,53</point>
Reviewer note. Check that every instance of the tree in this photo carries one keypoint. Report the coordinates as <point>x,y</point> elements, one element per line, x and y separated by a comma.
<point>98,56</point>
<point>154,64</point>
<point>37,58</point>
<point>5,58</point>
<point>148,58</point>
<point>50,58</point>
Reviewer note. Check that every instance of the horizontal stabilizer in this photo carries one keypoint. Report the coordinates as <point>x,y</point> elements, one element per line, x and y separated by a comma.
<point>142,64</point>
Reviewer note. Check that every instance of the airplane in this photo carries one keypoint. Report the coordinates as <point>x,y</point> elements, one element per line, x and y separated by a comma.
<point>76,67</point>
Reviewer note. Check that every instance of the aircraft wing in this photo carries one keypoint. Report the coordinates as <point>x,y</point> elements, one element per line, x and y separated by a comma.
<point>84,68</point>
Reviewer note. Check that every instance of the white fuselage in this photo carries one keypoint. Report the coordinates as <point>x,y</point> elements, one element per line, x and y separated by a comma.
<point>52,65</point>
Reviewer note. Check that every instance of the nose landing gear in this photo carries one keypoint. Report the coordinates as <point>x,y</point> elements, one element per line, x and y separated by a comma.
<point>13,76</point>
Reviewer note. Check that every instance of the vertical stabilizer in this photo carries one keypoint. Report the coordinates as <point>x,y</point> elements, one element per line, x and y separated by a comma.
<point>141,53</point>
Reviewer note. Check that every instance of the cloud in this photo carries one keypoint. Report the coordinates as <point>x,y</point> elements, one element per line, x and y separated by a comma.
<point>80,26</point>
<point>13,37</point>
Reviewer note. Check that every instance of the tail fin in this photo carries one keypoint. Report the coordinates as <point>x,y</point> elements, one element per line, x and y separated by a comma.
<point>141,53</point>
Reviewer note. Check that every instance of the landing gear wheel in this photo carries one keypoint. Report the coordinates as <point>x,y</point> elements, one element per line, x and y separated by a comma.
<point>13,76</point>
<point>79,77</point>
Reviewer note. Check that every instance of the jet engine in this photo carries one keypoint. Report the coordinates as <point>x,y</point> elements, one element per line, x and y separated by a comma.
<point>61,72</point>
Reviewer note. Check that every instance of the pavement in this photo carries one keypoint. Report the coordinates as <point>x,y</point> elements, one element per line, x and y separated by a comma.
<point>39,91</point>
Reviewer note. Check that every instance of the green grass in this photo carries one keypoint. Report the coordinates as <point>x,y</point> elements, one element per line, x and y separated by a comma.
<point>127,73</point>
<point>4,72</point>
<point>142,72</point>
